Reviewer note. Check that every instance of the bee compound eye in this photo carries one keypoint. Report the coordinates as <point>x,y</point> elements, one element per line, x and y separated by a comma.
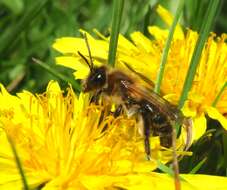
<point>99,76</point>
<point>99,79</point>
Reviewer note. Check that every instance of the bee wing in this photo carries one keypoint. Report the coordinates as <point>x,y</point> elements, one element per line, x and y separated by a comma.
<point>142,77</point>
<point>149,83</point>
<point>160,103</point>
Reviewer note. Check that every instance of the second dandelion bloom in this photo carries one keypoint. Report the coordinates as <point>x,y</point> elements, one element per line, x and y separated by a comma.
<point>143,55</point>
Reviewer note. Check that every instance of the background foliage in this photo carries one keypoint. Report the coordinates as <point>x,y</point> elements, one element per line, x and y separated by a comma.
<point>28,28</point>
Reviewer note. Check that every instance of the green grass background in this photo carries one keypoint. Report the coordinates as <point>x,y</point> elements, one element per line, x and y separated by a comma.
<point>28,28</point>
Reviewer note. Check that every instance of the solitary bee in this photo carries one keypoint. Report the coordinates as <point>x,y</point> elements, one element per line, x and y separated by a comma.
<point>158,116</point>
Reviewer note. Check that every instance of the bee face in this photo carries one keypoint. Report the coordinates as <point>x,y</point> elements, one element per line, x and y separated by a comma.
<point>96,79</point>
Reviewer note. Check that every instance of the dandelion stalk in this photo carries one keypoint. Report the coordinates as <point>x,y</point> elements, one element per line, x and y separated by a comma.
<point>116,21</point>
<point>167,47</point>
<point>204,32</point>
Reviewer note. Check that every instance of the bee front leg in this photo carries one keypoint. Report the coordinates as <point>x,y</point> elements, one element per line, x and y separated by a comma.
<point>118,111</point>
<point>96,96</point>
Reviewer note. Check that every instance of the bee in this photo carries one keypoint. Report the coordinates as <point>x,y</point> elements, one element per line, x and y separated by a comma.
<point>157,115</point>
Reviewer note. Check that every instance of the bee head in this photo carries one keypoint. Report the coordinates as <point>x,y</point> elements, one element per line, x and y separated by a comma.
<point>96,79</point>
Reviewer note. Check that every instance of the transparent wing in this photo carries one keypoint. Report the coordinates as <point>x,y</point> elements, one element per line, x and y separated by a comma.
<point>160,103</point>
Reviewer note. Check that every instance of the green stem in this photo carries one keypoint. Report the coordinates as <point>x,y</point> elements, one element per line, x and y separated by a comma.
<point>167,47</point>
<point>204,32</point>
<point>219,94</point>
<point>116,21</point>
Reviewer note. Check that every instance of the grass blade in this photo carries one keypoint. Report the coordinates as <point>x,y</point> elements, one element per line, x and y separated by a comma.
<point>74,84</point>
<point>219,94</point>
<point>198,166</point>
<point>14,31</point>
<point>19,166</point>
<point>167,46</point>
<point>204,32</point>
<point>116,21</point>
<point>165,168</point>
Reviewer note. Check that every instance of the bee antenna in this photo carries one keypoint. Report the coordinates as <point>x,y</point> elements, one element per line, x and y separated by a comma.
<point>89,51</point>
<point>85,59</point>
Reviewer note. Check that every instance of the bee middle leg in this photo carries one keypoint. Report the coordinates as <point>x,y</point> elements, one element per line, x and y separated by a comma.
<point>146,133</point>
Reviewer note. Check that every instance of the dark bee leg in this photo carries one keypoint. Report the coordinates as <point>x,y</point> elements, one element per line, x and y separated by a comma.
<point>118,111</point>
<point>95,98</point>
<point>146,131</point>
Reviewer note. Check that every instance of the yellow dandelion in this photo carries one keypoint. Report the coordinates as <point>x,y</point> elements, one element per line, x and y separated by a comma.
<point>61,146</point>
<point>144,55</point>
<point>61,143</point>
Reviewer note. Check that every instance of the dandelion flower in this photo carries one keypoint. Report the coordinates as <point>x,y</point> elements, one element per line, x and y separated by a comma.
<point>144,55</point>
<point>61,146</point>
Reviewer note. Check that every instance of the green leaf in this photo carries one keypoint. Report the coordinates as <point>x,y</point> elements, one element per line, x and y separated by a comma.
<point>74,83</point>
<point>116,21</point>
<point>16,6</point>
<point>12,33</point>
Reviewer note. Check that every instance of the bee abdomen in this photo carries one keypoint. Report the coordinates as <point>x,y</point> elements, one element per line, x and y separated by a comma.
<point>166,140</point>
<point>159,119</point>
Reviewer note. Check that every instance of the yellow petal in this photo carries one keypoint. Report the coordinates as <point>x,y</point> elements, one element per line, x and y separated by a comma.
<point>153,180</point>
<point>53,87</point>
<point>70,45</point>
<point>207,182</point>
<point>168,18</point>
<point>215,114</point>
<point>125,44</point>
<point>75,63</point>
<point>199,126</point>
<point>141,41</point>
<point>188,111</point>
<point>158,33</point>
